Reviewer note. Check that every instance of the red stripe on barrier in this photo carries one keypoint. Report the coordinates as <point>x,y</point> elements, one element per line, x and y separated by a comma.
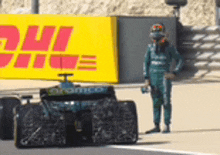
<point>11,33</point>
<point>63,39</point>
<point>40,61</point>
<point>84,57</point>
<point>5,59</point>
<point>23,61</point>
<point>87,68</point>
<point>31,44</point>
<point>64,62</point>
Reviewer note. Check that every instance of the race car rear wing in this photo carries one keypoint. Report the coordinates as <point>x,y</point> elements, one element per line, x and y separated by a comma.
<point>77,93</point>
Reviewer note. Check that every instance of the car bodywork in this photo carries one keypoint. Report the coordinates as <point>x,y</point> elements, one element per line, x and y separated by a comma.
<point>69,114</point>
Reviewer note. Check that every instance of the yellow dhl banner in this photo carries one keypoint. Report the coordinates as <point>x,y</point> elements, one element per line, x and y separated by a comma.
<point>43,46</point>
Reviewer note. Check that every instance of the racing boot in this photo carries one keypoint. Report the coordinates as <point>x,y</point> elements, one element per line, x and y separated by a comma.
<point>156,129</point>
<point>166,129</point>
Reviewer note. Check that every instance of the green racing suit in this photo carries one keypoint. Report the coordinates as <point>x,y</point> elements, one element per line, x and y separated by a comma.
<point>155,66</point>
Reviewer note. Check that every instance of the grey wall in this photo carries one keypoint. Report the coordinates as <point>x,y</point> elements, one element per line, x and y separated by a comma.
<point>133,40</point>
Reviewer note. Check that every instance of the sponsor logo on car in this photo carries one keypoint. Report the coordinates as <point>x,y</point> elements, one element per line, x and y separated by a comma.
<point>79,91</point>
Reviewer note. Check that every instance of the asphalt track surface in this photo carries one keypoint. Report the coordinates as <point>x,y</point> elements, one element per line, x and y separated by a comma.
<point>7,148</point>
<point>195,124</point>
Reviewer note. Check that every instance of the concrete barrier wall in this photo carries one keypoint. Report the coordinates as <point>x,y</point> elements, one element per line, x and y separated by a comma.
<point>196,12</point>
<point>201,51</point>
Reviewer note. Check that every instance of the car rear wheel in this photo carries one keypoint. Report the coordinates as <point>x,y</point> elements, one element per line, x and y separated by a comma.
<point>6,116</point>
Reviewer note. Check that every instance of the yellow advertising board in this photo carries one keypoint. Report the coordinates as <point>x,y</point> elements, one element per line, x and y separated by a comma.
<point>43,46</point>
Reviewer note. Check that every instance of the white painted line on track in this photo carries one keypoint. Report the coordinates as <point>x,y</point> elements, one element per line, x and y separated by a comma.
<point>144,148</point>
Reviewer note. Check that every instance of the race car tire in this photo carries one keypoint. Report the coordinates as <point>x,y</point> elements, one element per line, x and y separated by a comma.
<point>26,119</point>
<point>6,116</point>
<point>127,123</point>
<point>34,129</point>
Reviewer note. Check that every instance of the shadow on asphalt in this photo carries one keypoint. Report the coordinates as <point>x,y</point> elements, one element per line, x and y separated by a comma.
<point>186,131</point>
<point>151,143</point>
<point>63,147</point>
<point>142,133</point>
<point>196,130</point>
<point>95,145</point>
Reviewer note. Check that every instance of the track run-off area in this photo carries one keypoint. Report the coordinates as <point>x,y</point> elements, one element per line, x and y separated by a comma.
<point>195,127</point>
